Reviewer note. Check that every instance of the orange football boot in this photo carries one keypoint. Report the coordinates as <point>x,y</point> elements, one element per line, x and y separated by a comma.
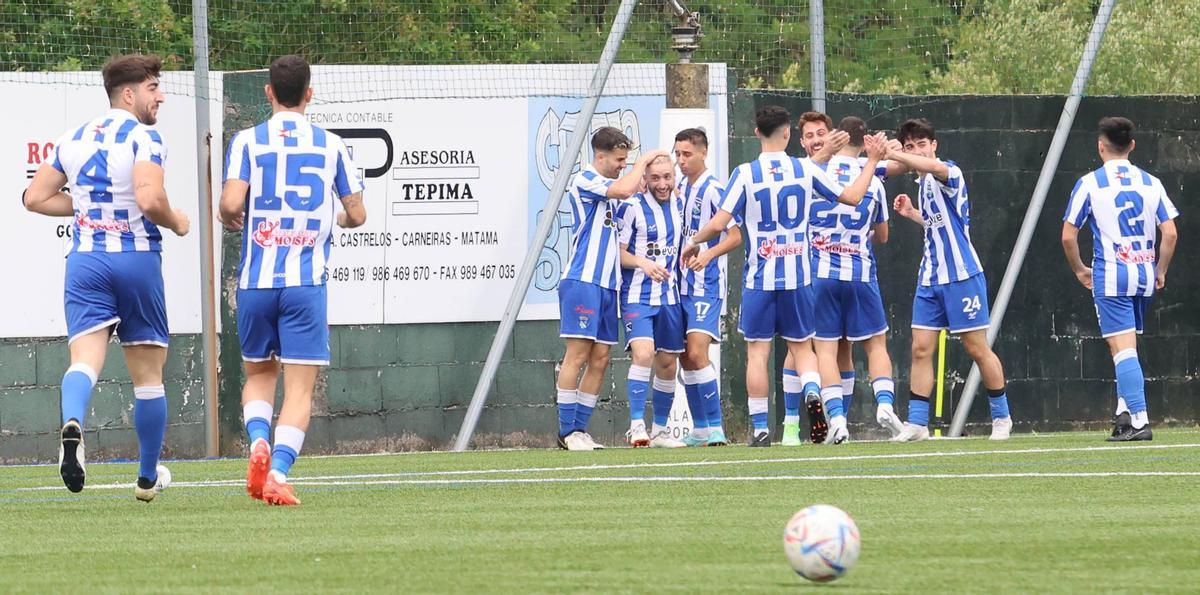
<point>278,493</point>
<point>259,467</point>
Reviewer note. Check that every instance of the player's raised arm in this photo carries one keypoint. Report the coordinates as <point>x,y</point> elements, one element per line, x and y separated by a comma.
<point>921,164</point>
<point>628,184</point>
<point>853,194</point>
<point>44,194</point>
<point>834,141</point>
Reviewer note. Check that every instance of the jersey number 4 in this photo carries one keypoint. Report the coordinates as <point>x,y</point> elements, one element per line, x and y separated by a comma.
<point>295,177</point>
<point>94,175</point>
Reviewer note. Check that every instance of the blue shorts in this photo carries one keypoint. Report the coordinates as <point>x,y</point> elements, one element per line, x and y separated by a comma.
<point>661,324</point>
<point>848,309</point>
<point>125,289</point>
<point>587,311</point>
<point>288,323</point>
<point>787,313</point>
<point>703,315</point>
<point>1120,314</point>
<point>960,306</point>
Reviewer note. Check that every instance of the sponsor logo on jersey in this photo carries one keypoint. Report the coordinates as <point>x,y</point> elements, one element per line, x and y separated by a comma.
<point>268,235</point>
<point>84,221</point>
<point>824,244</point>
<point>1128,255</point>
<point>774,249</point>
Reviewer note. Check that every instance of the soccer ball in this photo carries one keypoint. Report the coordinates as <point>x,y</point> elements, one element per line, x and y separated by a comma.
<point>821,543</point>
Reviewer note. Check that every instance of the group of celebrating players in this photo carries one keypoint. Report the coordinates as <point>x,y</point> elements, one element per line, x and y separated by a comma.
<point>652,252</point>
<point>643,245</point>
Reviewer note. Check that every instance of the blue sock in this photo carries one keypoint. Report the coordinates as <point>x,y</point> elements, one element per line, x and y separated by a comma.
<point>792,393</point>
<point>257,415</point>
<point>710,392</point>
<point>282,458</point>
<point>664,395</point>
<point>566,411</point>
<point>885,390</point>
<point>77,386</point>
<point>288,442</point>
<point>918,410</point>
<point>998,401</point>
<point>1131,384</point>
<point>637,387</point>
<point>758,413</point>
<point>847,390</point>
<point>695,402</point>
<point>832,399</point>
<point>150,424</point>
<point>583,410</point>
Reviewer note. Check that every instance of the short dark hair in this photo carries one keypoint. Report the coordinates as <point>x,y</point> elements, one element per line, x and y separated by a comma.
<point>608,139</point>
<point>1117,132</point>
<point>915,129</point>
<point>770,118</point>
<point>855,127</point>
<point>129,69</point>
<point>696,136</point>
<point>289,79</point>
<point>810,117</point>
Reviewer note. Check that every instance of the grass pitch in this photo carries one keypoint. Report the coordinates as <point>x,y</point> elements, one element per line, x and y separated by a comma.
<point>1048,513</point>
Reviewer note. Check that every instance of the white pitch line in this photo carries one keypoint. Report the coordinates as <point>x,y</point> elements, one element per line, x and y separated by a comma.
<point>358,479</point>
<point>676,478</point>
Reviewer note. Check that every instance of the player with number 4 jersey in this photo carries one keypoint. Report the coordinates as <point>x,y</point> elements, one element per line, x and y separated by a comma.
<point>283,180</point>
<point>1126,207</point>
<point>113,168</point>
<point>951,289</point>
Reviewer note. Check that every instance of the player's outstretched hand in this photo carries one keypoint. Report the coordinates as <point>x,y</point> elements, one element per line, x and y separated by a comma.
<point>894,146</point>
<point>876,145</point>
<point>182,223</point>
<point>654,270</point>
<point>1085,277</point>
<point>904,206</point>
<point>837,140</point>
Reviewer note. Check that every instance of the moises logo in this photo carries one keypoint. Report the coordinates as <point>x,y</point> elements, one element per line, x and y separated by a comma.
<point>773,249</point>
<point>1128,255</point>
<point>822,243</point>
<point>84,221</point>
<point>268,235</point>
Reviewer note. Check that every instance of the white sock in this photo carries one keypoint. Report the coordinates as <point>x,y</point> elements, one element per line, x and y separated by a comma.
<point>1122,407</point>
<point>1139,420</point>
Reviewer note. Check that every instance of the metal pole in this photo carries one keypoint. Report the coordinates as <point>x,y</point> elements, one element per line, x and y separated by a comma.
<point>816,23</point>
<point>1033,213</point>
<point>208,298</point>
<point>549,216</point>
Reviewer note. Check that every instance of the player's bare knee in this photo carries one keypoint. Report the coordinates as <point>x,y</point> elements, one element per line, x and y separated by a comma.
<point>598,358</point>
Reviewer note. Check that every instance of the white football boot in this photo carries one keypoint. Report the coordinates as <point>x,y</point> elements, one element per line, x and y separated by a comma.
<point>577,441</point>
<point>637,436</point>
<point>886,417</point>
<point>663,439</point>
<point>912,433</point>
<point>592,442</point>
<point>1001,428</point>
<point>146,494</point>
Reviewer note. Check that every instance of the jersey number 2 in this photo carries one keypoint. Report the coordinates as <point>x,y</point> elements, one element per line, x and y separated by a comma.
<point>1129,219</point>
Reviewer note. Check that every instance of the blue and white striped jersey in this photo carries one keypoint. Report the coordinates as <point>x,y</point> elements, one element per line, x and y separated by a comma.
<point>98,159</point>
<point>773,195</point>
<point>841,234</point>
<point>654,230</point>
<point>1125,206</point>
<point>593,257</point>
<point>701,201</point>
<point>295,171</point>
<point>949,255</point>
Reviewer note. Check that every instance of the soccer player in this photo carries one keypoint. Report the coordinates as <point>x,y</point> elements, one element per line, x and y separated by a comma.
<point>951,289</point>
<point>849,307</point>
<point>587,294</point>
<point>280,179</point>
<point>772,195</point>
<point>702,287</point>
<point>113,167</point>
<point>650,224</point>
<point>1126,207</point>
